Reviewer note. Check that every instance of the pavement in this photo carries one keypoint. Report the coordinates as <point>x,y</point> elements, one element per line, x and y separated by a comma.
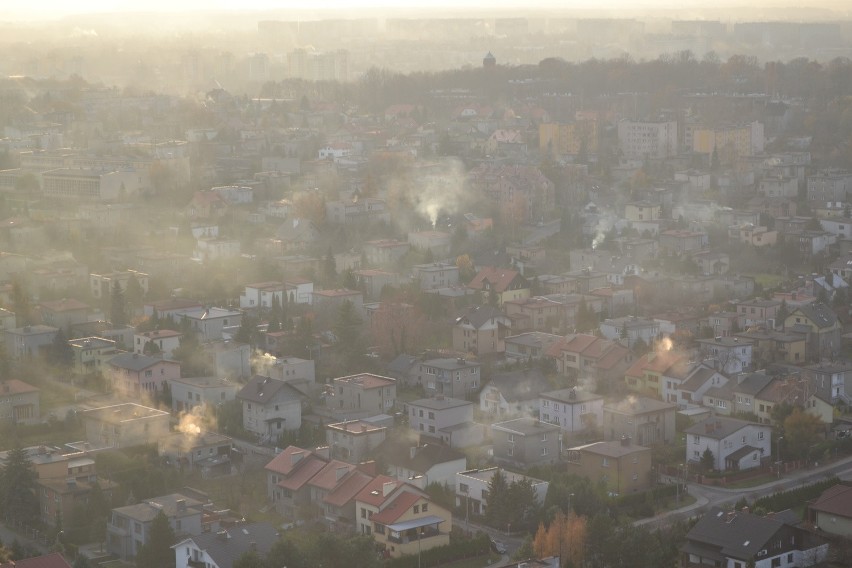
<point>707,496</point>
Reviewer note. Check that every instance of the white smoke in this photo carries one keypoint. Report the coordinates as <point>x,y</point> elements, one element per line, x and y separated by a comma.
<point>262,363</point>
<point>604,225</point>
<point>441,193</point>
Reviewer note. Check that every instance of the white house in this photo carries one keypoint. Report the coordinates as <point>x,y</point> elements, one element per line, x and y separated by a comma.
<point>270,407</point>
<point>259,295</point>
<point>736,444</point>
<point>571,409</point>
<point>632,328</point>
<point>219,549</point>
<point>472,487</point>
<point>163,341</point>
<point>729,355</point>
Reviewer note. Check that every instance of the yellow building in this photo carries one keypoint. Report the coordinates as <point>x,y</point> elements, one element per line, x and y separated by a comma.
<point>411,523</point>
<point>621,465</point>
<point>739,140</point>
<point>568,138</point>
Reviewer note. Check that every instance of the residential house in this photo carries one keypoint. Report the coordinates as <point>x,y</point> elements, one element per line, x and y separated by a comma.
<point>579,414</point>
<point>353,441</point>
<point>158,341</point>
<point>385,252</point>
<point>260,295</point>
<point>723,323</point>
<point>647,421</point>
<point>831,512</point>
<point>124,425</point>
<point>514,393</point>
<point>757,313</point>
<point>590,357</point>
<point>435,275</point>
<point>379,490</point>
<point>294,235</point>
<point>445,418</point>
<point>421,464</point>
<point>135,374</point>
<point>91,354</point>
<point>338,505</point>
<point>64,313</point>
<point>455,378</point>
<point>821,326</point>
<point>228,358</point>
<point>502,284</point>
<point>620,465</point>
<point>685,383</point>
<point>192,449</point>
<point>409,523</point>
<point>735,444</point>
<point>69,485</point>
<point>679,242</point>
<point>299,290</point>
<point>730,355</point>
<point>29,341</point>
<point>372,280</point>
<point>538,313</point>
<point>525,442</point>
<point>19,402</point>
<point>472,487</point>
<point>211,324</point>
<point>172,307</point>
<point>270,407</point>
<point>740,539</point>
<point>529,346</point>
<point>364,394</point>
<point>287,476</point>
<point>192,392</point>
<point>364,210</point>
<point>221,549</point>
<point>631,329</point>
<point>645,375</point>
<point>480,330</point>
<point>101,285</point>
<point>129,527</point>
<point>776,346</point>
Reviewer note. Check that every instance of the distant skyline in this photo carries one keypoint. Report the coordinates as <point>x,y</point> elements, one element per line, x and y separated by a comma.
<point>50,9</point>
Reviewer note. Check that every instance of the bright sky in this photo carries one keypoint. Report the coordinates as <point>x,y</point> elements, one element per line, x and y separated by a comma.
<point>52,8</point>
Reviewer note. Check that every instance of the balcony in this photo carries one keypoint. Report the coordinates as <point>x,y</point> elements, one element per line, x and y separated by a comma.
<point>411,535</point>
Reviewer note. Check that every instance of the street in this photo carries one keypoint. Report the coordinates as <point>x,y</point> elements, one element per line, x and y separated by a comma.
<point>707,496</point>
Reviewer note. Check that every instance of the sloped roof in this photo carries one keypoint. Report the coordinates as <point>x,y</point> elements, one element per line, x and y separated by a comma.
<point>136,362</point>
<point>373,492</point>
<point>225,548</point>
<point>821,315</point>
<point>740,536</point>
<point>836,500</point>
<point>718,427</point>
<point>16,387</point>
<point>477,316</point>
<point>516,386</point>
<point>499,278</point>
<point>262,389</point>
<point>396,508</point>
<point>654,362</point>
<point>330,475</point>
<point>345,492</point>
<point>52,560</point>
<point>397,452</point>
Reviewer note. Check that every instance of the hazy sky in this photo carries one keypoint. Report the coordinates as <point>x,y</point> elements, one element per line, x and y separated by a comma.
<point>54,8</point>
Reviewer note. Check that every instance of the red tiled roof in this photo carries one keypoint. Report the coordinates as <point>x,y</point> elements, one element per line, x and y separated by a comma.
<point>395,509</point>
<point>327,477</point>
<point>499,278</point>
<point>305,472</point>
<point>373,494</point>
<point>654,362</point>
<point>352,484</point>
<point>16,387</point>
<point>53,560</point>
<point>835,500</point>
<point>284,463</point>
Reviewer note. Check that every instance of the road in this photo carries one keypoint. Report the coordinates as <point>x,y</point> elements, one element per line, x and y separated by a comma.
<point>512,541</point>
<point>707,496</point>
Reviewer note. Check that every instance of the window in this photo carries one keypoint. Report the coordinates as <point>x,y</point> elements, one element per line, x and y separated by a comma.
<point>416,509</point>
<point>696,454</point>
<point>790,558</point>
<point>605,462</point>
<point>424,507</point>
<point>544,437</point>
<point>544,451</point>
<point>743,439</point>
<point>760,435</point>
<point>511,438</point>
<point>776,562</point>
<point>511,451</point>
<point>431,416</point>
<point>696,439</point>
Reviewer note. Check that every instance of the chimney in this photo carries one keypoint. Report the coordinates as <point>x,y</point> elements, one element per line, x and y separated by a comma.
<point>625,440</point>
<point>181,505</point>
<point>387,487</point>
<point>340,472</point>
<point>295,457</point>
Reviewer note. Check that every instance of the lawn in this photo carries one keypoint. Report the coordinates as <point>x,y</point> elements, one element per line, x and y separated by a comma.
<point>753,482</point>
<point>767,280</point>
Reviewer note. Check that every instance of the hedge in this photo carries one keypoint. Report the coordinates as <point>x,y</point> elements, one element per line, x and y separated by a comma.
<point>468,548</point>
<point>794,497</point>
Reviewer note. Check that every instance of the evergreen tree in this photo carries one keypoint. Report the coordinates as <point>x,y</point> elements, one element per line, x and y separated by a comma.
<point>248,330</point>
<point>166,395</point>
<point>60,352</point>
<point>117,305</point>
<point>21,304</point>
<point>135,294</point>
<point>157,551</point>
<point>347,328</point>
<point>498,510</point>
<point>781,314</point>
<point>274,315</point>
<point>329,271</point>
<point>250,559</point>
<point>708,460</point>
<point>349,280</point>
<point>18,500</point>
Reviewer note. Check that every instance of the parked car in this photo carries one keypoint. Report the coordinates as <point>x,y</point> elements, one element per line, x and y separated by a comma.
<point>498,546</point>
